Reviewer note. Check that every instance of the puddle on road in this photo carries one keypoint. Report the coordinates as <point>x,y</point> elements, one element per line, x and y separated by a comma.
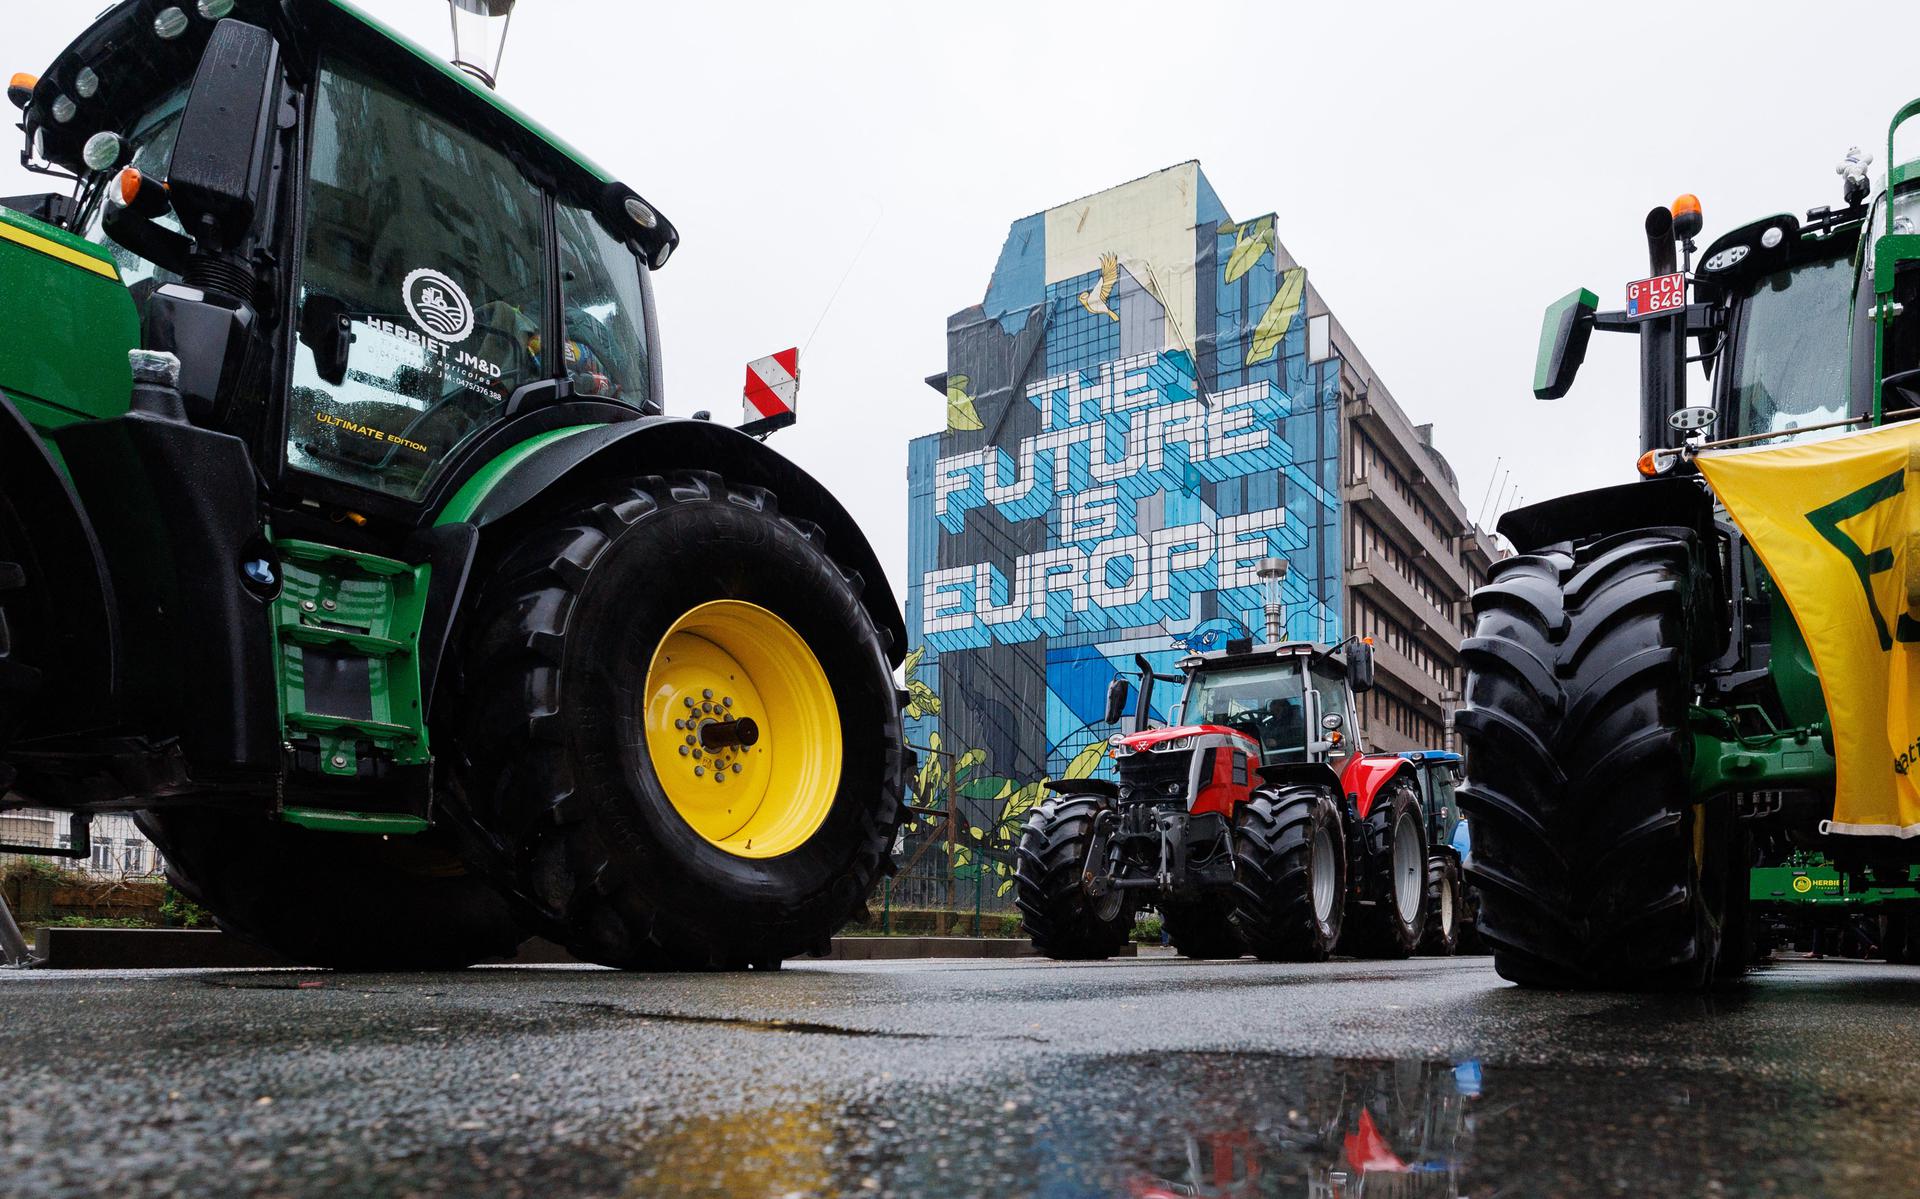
<point>1238,1126</point>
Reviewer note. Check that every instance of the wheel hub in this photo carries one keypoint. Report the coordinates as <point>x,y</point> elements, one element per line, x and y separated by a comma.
<point>1323,874</point>
<point>716,738</point>
<point>1408,869</point>
<point>742,729</point>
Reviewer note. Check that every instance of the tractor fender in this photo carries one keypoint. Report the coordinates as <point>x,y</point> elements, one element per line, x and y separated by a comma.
<point>1587,515</point>
<point>63,565</point>
<point>1365,775</point>
<point>659,445</point>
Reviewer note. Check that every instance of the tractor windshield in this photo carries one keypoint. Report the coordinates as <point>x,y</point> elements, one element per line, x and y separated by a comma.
<point>1790,354</point>
<point>423,289</point>
<point>1266,702</point>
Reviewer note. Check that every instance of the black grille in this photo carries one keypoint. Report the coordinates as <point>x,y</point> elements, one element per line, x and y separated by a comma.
<point>1155,778</point>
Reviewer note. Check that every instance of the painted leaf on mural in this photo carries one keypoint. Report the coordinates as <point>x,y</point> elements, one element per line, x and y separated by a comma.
<point>961,414</point>
<point>1278,317</point>
<point>1018,805</point>
<point>1086,761</point>
<point>1250,243</point>
<point>922,700</point>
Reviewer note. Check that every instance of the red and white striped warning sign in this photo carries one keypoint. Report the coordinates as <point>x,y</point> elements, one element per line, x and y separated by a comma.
<point>773,384</point>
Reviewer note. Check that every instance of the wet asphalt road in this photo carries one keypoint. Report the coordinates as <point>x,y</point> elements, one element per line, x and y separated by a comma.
<point>1146,1077</point>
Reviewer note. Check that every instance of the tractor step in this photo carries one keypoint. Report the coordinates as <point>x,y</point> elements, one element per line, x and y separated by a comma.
<point>347,630</point>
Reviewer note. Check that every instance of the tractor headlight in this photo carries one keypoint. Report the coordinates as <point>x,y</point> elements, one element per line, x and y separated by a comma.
<point>169,24</point>
<point>1174,746</point>
<point>1118,748</point>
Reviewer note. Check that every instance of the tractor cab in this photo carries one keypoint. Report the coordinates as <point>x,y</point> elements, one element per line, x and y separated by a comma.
<point>1291,703</point>
<point>364,260</point>
<point>1293,699</point>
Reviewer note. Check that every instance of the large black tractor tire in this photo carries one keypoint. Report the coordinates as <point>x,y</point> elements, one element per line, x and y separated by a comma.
<point>348,901</point>
<point>1291,867</point>
<point>1387,912</point>
<point>1596,869</point>
<point>1202,927</point>
<point>1446,906</point>
<point>18,680</point>
<point>620,620</point>
<point>1063,922</point>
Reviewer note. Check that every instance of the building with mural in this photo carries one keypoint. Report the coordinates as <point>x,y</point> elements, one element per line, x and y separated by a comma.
<point>1149,401</point>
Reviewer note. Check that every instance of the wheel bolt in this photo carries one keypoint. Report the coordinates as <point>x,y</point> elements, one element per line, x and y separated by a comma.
<point>726,701</point>
<point>736,768</point>
<point>707,694</point>
<point>699,770</point>
<point>684,751</point>
<point>688,701</point>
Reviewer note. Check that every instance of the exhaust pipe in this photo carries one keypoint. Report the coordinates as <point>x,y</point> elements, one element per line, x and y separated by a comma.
<point>1663,344</point>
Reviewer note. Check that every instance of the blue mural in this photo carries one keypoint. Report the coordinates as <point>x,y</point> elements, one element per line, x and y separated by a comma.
<point>1132,425</point>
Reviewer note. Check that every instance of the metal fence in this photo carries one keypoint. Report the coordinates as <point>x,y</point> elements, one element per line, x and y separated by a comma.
<point>955,853</point>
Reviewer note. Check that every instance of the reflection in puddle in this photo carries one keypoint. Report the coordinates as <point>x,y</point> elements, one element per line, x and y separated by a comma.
<point>1361,1128</point>
<point>1236,1126</point>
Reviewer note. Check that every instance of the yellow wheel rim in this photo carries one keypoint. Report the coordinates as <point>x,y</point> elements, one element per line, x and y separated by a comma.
<point>742,729</point>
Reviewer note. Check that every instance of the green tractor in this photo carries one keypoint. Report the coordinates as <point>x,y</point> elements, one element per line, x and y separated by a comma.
<point>1643,721</point>
<point>343,539</point>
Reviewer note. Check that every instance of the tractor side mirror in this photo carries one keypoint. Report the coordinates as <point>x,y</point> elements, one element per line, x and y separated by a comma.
<point>1116,700</point>
<point>327,330</point>
<point>221,159</point>
<point>1563,343</point>
<point>1360,666</point>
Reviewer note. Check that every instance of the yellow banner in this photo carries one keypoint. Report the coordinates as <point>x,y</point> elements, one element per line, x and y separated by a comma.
<point>1837,523</point>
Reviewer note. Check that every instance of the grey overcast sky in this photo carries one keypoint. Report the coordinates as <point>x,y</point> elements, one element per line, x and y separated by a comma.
<point>1442,170</point>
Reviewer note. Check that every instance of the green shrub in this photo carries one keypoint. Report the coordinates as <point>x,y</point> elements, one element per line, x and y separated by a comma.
<point>1146,929</point>
<point>177,911</point>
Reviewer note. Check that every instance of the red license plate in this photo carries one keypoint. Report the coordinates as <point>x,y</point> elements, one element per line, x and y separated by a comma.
<point>1662,293</point>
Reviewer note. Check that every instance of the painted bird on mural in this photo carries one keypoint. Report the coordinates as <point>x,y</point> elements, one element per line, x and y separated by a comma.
<point>1095,301</point>
<point>1210,635</point>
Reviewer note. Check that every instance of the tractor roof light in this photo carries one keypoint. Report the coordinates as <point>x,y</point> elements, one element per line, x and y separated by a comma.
<point>214,10</point>
<point>103,151</point>
<point>86,83</point>
<point>170,23</point>
<point>20,89</point>
<point>63,109</point>
<point>1687,217</point>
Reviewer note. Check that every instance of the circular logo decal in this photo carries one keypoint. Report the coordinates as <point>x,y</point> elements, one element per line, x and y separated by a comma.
<point>437,305</point>
<point>1802,883</point>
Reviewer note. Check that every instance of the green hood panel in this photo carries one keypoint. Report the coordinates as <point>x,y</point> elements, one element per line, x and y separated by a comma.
<point>66,324</point>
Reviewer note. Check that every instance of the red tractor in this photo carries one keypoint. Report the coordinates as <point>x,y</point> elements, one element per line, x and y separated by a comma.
<point>1256,823</point>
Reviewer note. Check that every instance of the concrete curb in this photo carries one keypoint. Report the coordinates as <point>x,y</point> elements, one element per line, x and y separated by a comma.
<point>209,949</point>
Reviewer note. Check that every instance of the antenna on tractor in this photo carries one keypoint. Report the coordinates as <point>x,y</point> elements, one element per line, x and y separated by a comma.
<point>1273,573</point>
<point>480,36</point>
